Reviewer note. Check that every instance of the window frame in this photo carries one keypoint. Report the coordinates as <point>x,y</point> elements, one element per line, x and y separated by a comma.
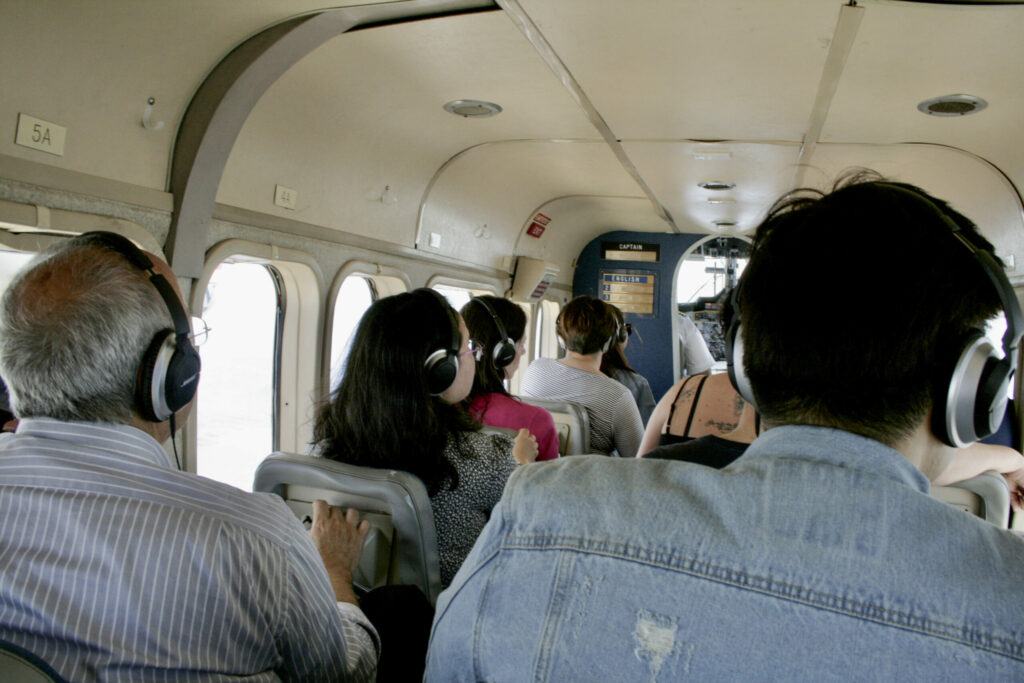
<point>385,281</point>
<point>300,283</point>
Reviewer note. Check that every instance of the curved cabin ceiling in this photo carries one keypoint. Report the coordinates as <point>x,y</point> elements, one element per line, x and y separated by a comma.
<point>613,113</point>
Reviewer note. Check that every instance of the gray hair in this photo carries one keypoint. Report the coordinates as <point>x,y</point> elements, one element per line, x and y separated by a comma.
<point>74,326</point>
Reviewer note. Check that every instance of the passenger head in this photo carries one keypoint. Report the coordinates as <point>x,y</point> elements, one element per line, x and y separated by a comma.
<point>501,352</point>
<point>409,363</point>
<point>75,324</point>
<point>586,325</point>
<point>855,304</point>
<point>615,358</point>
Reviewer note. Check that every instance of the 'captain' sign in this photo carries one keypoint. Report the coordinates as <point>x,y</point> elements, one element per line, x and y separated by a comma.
<point>631,251</point>
<point>630,292</point>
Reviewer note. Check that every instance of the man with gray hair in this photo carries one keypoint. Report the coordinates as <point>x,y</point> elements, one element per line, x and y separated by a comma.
<point>115,564</point>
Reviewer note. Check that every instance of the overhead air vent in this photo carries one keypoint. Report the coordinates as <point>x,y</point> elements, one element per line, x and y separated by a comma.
<point>952,105</point>
<point>472,109</point>
<point>717,185</point>
<point>725,224</point>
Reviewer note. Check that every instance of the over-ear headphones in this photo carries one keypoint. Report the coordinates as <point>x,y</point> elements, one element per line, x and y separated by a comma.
<point>975,401</point>
<point>505,350</point>
<point>442,365</point>
<point>734,351</point>
<point>621,332</point>
<point>169,373</point>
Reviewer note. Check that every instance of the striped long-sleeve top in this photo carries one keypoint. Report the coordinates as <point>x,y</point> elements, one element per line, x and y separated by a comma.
<point>615,422</point>
<point>115,566</point>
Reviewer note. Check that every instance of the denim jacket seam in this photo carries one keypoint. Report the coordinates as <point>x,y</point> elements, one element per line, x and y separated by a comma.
<point>970,636</point>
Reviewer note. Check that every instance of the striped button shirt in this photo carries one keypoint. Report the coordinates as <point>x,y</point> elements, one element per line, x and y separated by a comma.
<point>115,566</point>
<point>615,422</point>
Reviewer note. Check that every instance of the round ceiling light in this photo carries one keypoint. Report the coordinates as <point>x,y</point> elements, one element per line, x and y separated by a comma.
<point>716,185</point>
<point>952,105</point>
<point>472,109</point>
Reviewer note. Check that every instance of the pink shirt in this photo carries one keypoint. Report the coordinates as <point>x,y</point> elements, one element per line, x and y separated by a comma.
<point>499,410</point>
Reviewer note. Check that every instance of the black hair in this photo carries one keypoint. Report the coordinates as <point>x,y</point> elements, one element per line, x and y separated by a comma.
<point>585,324</point>
<point>855,303</point>
<point>615,358</point>
<point>483,330</point>
<point>382,413</point>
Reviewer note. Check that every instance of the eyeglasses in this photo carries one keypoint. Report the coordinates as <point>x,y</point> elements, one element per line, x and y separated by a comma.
<point>475,348</point>
<point>200,331</point>
<point>630,330</point>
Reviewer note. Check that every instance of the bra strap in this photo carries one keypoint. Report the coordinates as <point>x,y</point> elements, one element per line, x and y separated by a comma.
<point>672,410</point>
<point>693,406</point>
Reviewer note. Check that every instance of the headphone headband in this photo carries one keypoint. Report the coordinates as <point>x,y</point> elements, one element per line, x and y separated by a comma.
<point>442,365</point>
<point>505,350</point>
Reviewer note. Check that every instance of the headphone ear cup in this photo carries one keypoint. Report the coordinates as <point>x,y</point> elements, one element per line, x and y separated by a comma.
<point>734,363</point>
<point>504,353</point>
<point>168,377</point>
<point>976,394</point>
<point>442,368</point>
<point>181,380</point>
<point>149,388</point>
<point>621,334</point>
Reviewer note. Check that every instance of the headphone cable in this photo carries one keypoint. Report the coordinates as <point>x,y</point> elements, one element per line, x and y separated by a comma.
<point>174,444</point>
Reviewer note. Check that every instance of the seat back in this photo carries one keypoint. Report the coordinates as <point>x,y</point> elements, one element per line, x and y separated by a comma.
<point>401,547</point>
<point>18,665</point>
<point>986,495</point>
<point>571,421</point>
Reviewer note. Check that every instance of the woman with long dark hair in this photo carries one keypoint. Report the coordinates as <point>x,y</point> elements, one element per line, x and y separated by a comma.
<point>615,364</point>
<point>397,407</point>
<point>499,325</point>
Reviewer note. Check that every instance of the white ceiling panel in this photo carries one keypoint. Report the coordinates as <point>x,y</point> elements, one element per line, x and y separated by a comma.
<point>710,69</point>
<point>906,53</point>
<point>759,171</point>
<point>378,121</point>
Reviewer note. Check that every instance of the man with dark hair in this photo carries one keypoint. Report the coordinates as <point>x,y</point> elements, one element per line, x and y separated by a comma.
<point>587,329</point>
<point>819,552</point>
<point>114,565</point>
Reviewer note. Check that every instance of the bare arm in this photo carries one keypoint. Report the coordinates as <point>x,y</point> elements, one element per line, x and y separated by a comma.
<point>338,535</point>
<point>981,457</point>
<point>658,419</point>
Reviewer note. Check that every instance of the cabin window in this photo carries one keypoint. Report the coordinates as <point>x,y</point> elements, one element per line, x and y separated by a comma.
<point>457,296</point>
<point>354,296</point>
<point>10,263</point>
<point>244,308</point>
<point>994,331</point>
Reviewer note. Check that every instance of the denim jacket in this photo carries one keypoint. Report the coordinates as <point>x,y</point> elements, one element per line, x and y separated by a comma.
<point>817,555</point>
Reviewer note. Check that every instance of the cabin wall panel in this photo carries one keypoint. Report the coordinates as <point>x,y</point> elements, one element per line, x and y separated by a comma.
<point>155,221</point>
<point>498,185</point>
<point>970,184</point>
<point>91,66</point>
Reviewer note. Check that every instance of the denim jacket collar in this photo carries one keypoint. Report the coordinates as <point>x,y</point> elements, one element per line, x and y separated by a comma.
<point>839,448</point>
